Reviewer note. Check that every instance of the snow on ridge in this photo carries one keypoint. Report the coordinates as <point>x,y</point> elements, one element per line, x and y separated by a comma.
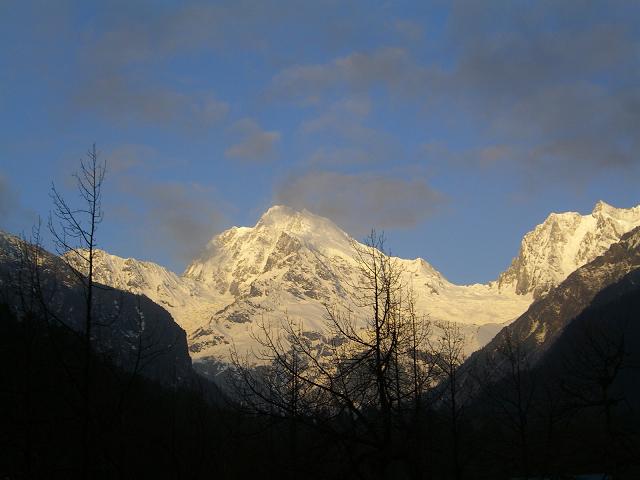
<point>563,243</point>
<point>295,262</point>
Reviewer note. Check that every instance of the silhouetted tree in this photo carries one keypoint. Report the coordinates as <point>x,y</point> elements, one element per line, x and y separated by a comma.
<point>451,357</point>
<point>592,368</point>
<point>363,381</point>
<point>74,231</point>
<point>508,382</point>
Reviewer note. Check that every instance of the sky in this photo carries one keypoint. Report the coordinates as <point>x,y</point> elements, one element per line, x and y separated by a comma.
<point>454,127</point>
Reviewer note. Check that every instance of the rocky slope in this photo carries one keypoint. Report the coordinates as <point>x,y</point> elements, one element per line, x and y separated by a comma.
<point>563,243</point>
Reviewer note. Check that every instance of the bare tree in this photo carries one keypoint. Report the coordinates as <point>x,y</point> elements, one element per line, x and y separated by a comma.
<point>509,382</point>
<point>424,374</point>
<point>74,231</point>
<point>451,357</point>
<point>362,377</point>
<point>21,282</point>
<point>593,367</point>
<point>277,382</point>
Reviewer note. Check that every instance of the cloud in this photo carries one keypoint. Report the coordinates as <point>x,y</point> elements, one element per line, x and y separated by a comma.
<point>254,144</point>
<point>326,157</point>
<point>8,200</point>
<point>126,47</point>
<point>554,84</point>
<point>345,138</point>
<point>441,155</point>
<point>146,32</point>
<point>15,216</point>
<point>360,202</point>
<point>132,100</point>
<point>559,97</point>
<point>173,219</point>
<point>124,158</point>
<point>576,130</point>
<point>186,213</point>
<point>408,29</point>
<point>343,117</point>
<point>389,67</point>
<point>122,60</point>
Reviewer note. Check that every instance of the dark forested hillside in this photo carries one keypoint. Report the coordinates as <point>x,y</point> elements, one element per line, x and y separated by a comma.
<point>131,330</point>
<point>139,428</point>
<point>574,409</point>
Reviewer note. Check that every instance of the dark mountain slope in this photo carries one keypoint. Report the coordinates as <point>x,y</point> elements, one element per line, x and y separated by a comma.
<point>130,330</point>
<point>539,327</point>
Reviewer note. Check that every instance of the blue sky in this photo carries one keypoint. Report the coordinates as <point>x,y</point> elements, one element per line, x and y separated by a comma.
<point>455,127</point>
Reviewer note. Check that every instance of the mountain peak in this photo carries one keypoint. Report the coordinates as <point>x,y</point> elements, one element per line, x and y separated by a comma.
<point>603,209</point>
<point>602,206</point>
<point>565,242</point>
<point>302,223</point>
<point>280,214</point>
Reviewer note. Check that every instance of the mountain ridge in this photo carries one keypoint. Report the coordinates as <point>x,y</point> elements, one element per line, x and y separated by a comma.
<point>129,328</point>
<point>571,241</point>
<point>535,332</point>
<point>295,262</point>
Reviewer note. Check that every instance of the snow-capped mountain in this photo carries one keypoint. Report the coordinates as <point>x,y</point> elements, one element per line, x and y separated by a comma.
<point>609,275</point>
<point>294,263</point>
<point>297,262</point>
<point>563,243</point>
<point>187,300</point>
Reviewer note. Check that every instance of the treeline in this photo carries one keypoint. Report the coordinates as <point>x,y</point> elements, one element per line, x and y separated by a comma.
<point>138,427</point>
<point>395,389</point>
<point>575,413</point>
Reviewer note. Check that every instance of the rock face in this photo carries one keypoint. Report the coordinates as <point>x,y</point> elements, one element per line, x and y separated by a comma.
<point>129,328</point>
<point>563,243</point>
<point>539,327</point>
<point>296,263</point>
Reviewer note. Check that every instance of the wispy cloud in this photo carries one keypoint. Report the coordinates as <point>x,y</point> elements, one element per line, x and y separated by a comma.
<point>559,97</point>
<point>392,68</point>
<point>182,217</point>
<point>410,30</point>
<point>360,202</point>
<point>8,200</point>
<point>563,97</point>
<point>14,214</point>
<point>130,100</point>
<point>254,144</point>
<point>173,219</point>
<point>344,136</point>
<point>120,63</point>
